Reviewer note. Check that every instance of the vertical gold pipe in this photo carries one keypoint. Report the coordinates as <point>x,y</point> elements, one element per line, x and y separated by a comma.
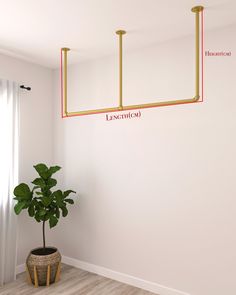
<point>65,50</point>
<point>197,10</point>
<point>197,54</point>
<point>120,33</point>
<point>121,71</point>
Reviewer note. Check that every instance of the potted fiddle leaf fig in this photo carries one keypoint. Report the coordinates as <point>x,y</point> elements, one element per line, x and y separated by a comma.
<point>44,204</point>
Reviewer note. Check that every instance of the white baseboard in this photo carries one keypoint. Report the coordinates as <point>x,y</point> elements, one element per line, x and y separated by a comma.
<point>20,268</point>
<point>121,277</point>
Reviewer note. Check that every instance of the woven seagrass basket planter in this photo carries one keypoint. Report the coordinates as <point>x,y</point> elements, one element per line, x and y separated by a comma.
<point>43,267</point>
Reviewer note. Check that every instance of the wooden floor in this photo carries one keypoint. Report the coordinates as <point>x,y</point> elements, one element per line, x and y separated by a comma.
<point>73,281</point>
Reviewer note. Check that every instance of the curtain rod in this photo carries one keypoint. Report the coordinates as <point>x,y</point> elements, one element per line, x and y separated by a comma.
<point>25,87</point>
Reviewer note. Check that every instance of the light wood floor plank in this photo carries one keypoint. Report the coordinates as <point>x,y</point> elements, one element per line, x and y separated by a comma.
<point>73,281</point>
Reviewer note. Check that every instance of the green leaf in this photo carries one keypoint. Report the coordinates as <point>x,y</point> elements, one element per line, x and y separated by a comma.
<point>51,182</point>
<point>39,182</point>
<point>66,193</point>
<point>53,170</point>
<point>31,210</point>
<point>46,201</point>
<point>60,203</point>
<point>18,199</point>
<point>27,203</point>
<point>70,201</point>
<point>64,211</point>
<point>58,194</point>
<point>23,191</point>
<point>57,212</point>
<point>53,221</point>
<point>59,197</point>
<point>47,192</point>
<point>42,212</point>
<point>34,203</point>
<point>37,217</point>
<point>48,215</point>
<point>40,204</point>
<point>35,187</point>
<point>19,206</point>
<point>42,170</point>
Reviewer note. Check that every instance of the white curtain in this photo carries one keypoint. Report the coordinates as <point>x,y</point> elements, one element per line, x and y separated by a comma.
<point>9,117</point>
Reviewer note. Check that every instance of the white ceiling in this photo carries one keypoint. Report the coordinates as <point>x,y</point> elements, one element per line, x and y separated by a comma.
<point>36,30</point>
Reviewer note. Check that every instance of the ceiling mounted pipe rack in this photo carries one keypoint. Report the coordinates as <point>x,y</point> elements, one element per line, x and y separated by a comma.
<point>64,76</point>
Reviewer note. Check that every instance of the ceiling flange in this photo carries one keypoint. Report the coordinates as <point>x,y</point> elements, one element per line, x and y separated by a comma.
<point>197,9</point>
<point>65,49</point>
<point>120,32</point>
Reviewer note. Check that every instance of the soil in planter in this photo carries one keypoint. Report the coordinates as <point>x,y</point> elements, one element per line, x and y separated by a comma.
<point>43,252</point>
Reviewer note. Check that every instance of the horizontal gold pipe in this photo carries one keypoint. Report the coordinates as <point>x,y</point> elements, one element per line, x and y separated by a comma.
<point>134,107</point>
<point>95,111</point>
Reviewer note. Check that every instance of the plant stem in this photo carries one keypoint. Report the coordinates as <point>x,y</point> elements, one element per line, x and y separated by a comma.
<point>44,235</point>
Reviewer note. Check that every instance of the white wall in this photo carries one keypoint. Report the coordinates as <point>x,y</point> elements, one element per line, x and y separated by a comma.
<point>156,194</point>
<point>35,135</point>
